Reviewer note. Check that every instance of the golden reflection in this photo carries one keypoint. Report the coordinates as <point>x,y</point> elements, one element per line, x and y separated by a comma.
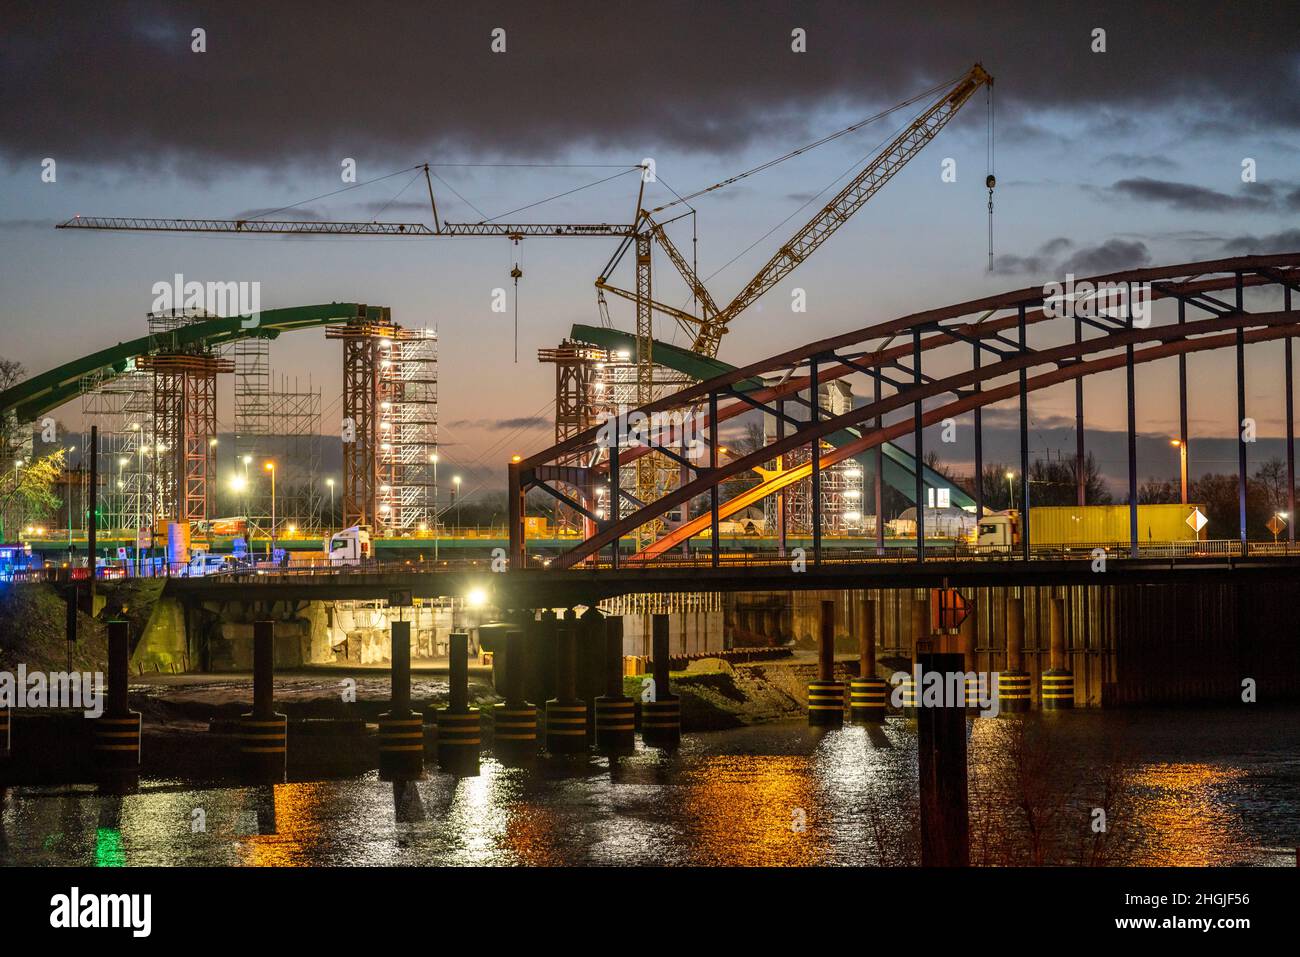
<point>753,811</point>
<point>1184,822</point>
<point>290,820</point>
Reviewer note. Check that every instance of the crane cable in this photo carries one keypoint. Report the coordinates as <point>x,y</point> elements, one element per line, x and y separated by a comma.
<point>990,180</point>
<point>516,274</point>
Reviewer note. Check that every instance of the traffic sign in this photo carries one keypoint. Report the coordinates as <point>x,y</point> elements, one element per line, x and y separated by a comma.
<point>1276,525</point>
<point>948,609</point>
<point>1197,520</point>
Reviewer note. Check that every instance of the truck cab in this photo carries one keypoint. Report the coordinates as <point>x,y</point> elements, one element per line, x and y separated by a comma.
<point>349,547</point>
<point>998,531</point>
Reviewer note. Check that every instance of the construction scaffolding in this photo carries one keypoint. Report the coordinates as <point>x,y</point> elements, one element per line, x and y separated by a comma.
<point>122,407</point>
<point>841,485</point>
<point>390,424</point>
<point>185,430</point>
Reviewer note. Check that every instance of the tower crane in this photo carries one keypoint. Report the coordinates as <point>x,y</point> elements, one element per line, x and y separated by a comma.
<point>712,322</point>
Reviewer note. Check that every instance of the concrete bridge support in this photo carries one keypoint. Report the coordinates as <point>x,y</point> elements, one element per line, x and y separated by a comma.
<point>661,719</point>
<point>263,734</point>
<point>1058,681</point>
<point>515,725</point>
<point>116,733</point>
<point>401,730</point>
<point>615,712</point>
<point>458,723</point>
<point>825,694</point>
<point>867,692</point>
<point>1014,693</point>
<point>566,713</point>
<point>920,629</point>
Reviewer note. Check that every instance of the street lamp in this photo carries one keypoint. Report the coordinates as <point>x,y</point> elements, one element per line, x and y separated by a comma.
<point>433,459</point>
<point>1182,467</point>
<point>455,494</point>
<point>270,467</point>
<point>1011,489</point>
<point>330,483</point>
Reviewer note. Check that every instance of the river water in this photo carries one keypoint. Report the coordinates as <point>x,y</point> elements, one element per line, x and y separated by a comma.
<point>1185,787</point>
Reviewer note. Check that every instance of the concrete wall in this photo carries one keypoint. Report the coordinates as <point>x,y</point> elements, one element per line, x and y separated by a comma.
<point>689,633</point>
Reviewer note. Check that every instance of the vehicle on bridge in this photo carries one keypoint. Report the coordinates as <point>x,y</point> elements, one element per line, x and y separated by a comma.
<point>350,546</point>
<point>1087,526</point>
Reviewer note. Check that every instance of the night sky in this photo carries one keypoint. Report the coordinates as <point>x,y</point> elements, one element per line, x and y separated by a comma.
<point>1104,161</point>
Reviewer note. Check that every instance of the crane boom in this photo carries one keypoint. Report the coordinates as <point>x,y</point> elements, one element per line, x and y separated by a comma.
<point>142,224</point>
<point>847,202</point>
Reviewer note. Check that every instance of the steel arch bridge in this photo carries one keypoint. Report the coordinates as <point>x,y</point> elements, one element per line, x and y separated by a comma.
<point>920,369</point>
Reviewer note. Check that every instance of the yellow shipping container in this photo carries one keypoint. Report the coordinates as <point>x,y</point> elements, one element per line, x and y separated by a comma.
<point>1104,524</point>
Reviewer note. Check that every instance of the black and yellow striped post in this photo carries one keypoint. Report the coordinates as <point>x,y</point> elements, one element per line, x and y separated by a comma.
<point>566,713</point>
<point>458,724</point>
<point>661,719</point>
<point>825,694</point>
<point>514,734</point>
<point>401,730</point>
<point>868,694</point>
<point>615,712</point>
<point>920,631</point>
<point>1015,692</point>
<point>263,734</point>
<point>1057,687</point>
<point>115,735</point>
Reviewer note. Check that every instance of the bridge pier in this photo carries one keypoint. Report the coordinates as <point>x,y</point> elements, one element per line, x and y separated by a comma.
<point>263,734</point>
<point>1014,691</point>
<point>661,719</point>
<point>1058,681</point>
<point>116,733</point>
<point>966,636</point>
<point>566,713</point>
<point>867,692</point>
<point>615,712</point>
<point>920,619</point>
<point>401,730</point>
<point>825,694</point>
<point>515,726</point>
<point>458,723</point>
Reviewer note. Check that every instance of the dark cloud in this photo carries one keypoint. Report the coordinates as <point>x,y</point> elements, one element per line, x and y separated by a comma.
<point>117,84</point>
<point>1287,241</point>
<point>1139,161</point>
<point>501,425</point>
<point>1059,255</point>
<point>1188,197</point>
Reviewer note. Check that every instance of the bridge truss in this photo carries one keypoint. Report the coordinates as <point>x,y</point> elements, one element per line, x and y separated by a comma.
<point>1117,321</point>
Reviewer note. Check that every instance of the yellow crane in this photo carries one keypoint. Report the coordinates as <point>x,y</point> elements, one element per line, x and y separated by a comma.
<point>712,323</point>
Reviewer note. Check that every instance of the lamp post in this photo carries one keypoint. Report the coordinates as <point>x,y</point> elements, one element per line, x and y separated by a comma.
<point>433,459</point>
<point>1011,489</point>
<point>330,483</point>
<point>270,467</point>
<point>455,494</point>
<point>1182,468</point>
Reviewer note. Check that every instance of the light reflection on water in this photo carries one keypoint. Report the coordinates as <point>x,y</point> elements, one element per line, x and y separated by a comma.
<point>1185,788</point>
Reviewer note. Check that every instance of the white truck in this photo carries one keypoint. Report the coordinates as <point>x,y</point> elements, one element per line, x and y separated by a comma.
<point>349,547</point>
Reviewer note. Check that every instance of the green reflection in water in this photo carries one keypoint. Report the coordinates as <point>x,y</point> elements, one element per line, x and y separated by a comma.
<point>109,851</point>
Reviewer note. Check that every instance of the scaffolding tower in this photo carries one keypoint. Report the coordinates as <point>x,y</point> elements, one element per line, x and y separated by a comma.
<point>390,423</point>
<point>841,485</point>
